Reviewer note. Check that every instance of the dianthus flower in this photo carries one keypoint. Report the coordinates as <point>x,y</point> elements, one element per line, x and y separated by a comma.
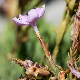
<point>31,18</point>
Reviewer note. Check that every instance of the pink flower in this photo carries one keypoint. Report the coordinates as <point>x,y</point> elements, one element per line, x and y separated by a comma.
<point>71,64</point>
<point>75,72</point>
<point>31,18</point>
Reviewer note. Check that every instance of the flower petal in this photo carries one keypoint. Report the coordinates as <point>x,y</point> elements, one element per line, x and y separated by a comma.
<point>75,72</point>
<point>33,15</point>
<point>21,21</point>
<point>18,22</point>
<point>41,11</point>
<point>31,19</point>
<point>23,18</point>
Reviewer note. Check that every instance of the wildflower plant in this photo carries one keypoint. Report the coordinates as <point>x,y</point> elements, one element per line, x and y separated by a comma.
<point>33,71</point>
<point>31,19</point>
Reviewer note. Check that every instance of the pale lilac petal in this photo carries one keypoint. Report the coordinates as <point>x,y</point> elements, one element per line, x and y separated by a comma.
<point>33,16</point>
<point>23,18</point>
<point>31,19</point>
<point>41,11</point>
<point>71,64</point>
<point>21,21</point>
<point>75,72</point>
<point>18,22</point>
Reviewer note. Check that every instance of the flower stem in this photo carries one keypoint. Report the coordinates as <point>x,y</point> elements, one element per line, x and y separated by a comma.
<point>46,51</point>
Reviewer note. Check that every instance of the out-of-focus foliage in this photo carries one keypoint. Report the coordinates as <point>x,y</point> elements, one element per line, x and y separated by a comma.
<point>7,70</point>
<point>64,49</point>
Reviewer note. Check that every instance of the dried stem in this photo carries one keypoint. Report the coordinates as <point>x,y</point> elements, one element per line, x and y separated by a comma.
<point>31,68</point>
<point>76,34</point>
<point>34,71</point>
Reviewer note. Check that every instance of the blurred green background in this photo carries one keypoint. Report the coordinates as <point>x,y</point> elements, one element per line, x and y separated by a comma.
<point>29,46</point>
